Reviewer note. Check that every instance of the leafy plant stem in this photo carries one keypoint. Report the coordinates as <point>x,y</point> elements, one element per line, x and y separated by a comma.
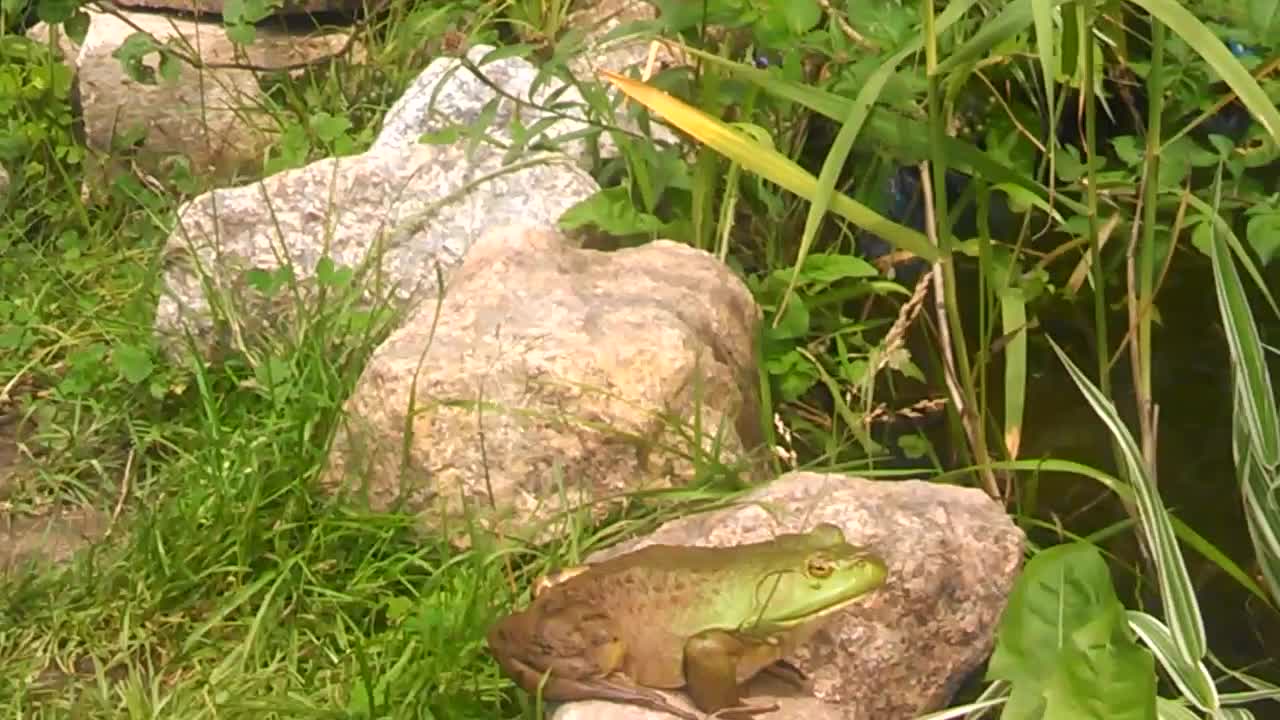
<point>1141,357</point>
<point>1091,200</point>
<point>957,357</point>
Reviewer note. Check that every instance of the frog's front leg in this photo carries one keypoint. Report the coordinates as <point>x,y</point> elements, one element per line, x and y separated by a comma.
<point>711,673</point>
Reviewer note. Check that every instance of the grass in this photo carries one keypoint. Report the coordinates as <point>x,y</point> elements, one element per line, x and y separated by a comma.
<point>230,586</point>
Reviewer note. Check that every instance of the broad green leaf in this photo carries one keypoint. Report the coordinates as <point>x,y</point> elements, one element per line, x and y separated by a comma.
<point>1263,232</point>
<point>1104,681</point>
<point>133,363</point>
<point>1181,607</point>
<point>56,11</point>
<point>827,268</point>
<point>1064,645</point>
<point>612,211</point>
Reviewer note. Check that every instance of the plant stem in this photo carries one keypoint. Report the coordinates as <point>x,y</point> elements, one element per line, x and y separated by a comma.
<point>956,357</point>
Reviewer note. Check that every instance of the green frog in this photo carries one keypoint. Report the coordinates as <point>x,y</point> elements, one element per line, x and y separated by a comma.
<point>705,619</point>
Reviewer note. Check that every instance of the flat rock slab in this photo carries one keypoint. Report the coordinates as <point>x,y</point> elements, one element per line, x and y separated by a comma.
<point>952,555</point>
<point>47,539</point>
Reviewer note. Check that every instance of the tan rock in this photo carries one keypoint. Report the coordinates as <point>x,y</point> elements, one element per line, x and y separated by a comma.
<point>553,375</point>
<point>952,554</point>
<point>212,116</point>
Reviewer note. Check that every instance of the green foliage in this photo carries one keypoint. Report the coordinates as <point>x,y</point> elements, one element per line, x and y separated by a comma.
<point>1065,645</point>
<point>38,143</point>
<point>264,600</point>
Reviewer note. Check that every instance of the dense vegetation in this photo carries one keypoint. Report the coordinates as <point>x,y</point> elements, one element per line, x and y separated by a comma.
<point>1097,181</point>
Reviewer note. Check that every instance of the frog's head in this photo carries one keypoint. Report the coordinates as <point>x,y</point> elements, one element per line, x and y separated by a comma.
<point>803,577</point>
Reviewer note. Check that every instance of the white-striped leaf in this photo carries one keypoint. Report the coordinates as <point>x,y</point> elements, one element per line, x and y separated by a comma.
<point>1170,710</point>
<point>1193,681</point>
<point>1181,608</point>
<point>1250,364</point>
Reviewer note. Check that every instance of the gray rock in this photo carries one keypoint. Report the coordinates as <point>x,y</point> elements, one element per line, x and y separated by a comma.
<point>447,93</point>
<point>952,553</point>
<point>553,375</point>
<point>415,210</point>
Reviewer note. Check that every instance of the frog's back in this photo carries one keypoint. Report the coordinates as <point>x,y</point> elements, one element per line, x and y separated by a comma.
<point>655,598</point>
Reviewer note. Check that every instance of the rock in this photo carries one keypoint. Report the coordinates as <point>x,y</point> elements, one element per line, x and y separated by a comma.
<point>4,186</point>
<point>421,206</point>
<point>555,108</point>
<point>212,116</point>
<point>586,363</point>
<point>598,20</point>
<point>214,7</point>
<point>953,555</point>
<point>448,94</point>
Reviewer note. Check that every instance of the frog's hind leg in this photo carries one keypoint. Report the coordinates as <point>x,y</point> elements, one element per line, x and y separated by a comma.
<point>565,685</point>
<point>621,691</point>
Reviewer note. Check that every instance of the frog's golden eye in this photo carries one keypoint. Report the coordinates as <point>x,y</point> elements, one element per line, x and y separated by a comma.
<point>821,567</point>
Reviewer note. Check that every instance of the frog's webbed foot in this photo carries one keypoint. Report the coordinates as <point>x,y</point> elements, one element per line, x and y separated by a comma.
<point>788,673</point>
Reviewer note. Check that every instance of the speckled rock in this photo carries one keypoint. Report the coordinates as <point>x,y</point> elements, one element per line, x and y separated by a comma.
<point>419,209</point>
<point>902,651</point>
<point>448,94</point>
<point>214,117</point>
<point>553,375</point>
<point>610,47</point>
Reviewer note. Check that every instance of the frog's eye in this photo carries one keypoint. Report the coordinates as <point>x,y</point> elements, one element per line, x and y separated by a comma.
<point>821,567</point>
